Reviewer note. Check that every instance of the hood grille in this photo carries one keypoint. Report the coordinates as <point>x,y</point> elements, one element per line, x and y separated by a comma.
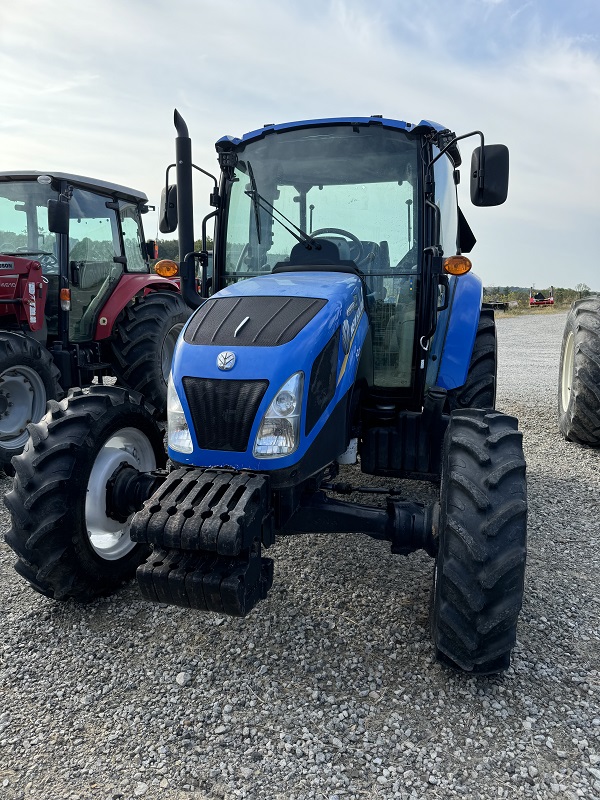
<point>251,321</point>
<point>223,411</point>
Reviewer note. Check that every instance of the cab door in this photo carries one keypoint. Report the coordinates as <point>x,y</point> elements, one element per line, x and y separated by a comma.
<point>94,243</point>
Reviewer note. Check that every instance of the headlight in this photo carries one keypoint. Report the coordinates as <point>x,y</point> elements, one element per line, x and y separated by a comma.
<point>178,432</point>
<point>279,432</point>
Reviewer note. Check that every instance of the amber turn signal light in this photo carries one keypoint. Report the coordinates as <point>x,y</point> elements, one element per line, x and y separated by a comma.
<point>457,265</point>
<point>166,268</point>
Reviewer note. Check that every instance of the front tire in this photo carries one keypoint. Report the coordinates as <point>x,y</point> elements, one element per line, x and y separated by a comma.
<point>480,565</point>
<point>28,379</point>
<point>68,545</point>
<point>579,375</point>
<point>143,344</point>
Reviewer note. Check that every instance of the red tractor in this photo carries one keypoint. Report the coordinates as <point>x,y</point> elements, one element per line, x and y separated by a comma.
<point>77,297</point>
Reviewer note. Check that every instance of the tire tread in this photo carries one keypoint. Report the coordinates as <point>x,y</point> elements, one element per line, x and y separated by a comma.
<point>480,567</point>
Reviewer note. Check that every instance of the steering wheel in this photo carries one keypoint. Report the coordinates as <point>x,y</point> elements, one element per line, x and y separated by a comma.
<point>357,255</point>
<point>48,261</point>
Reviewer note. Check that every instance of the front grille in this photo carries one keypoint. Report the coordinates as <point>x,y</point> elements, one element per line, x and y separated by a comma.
<point>223,411</point>
<point>251,321</point>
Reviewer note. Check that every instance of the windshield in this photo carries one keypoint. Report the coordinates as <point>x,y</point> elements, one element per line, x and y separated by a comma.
<point>24,221</point>
<point>356,186</point>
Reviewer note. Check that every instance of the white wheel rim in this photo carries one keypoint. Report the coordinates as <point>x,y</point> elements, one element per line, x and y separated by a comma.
<point>108,537</point>
<point>22,400</point>
<point>568,370</point>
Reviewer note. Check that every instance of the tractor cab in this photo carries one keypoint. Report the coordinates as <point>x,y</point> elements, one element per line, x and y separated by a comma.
<point>371,197</point>
<point>101,239</point>
<point>336,197</point>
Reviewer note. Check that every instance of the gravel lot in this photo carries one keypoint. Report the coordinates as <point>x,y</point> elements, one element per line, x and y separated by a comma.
<point>328,690</point>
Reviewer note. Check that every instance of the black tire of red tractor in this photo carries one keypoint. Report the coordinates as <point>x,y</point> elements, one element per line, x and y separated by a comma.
<point>17,350</point>
<point>480,566</point>
<point>47,503</point>
<point>142,345</point>
<point>579,418</point>
<point>479,391</point>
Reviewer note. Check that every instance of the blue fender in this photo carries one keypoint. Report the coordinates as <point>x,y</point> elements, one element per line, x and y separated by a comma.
<point>452,344</point>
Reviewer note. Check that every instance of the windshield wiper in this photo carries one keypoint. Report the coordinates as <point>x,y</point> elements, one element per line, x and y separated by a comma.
<point>254,195</point>
<point>260,202</point>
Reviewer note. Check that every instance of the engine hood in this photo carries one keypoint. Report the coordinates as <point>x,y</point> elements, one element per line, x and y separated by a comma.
<point>243,344</point>
<point>272,311</point>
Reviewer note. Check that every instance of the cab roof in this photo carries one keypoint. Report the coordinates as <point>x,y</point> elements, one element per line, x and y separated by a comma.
<point>409,127</point>
<point>121,192</point>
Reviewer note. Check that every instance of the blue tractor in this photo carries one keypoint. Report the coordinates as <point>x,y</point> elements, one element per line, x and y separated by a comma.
<point>340,324</point>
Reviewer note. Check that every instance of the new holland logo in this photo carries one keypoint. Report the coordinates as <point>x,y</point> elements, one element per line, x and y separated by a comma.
<point>349,326</point>
<point>226,360</point>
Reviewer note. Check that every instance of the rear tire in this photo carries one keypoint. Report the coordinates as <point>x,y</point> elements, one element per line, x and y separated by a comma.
<point>28,379</point>
<point>480,565</point>
<point>67,545</point>
<point>479,390</point>
<point>579,375</point>
<point>144,340</point>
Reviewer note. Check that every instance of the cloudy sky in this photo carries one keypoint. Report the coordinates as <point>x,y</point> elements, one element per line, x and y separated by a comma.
<point>90,87</point>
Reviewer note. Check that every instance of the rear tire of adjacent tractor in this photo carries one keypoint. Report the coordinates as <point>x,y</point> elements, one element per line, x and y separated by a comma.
<point>143,343</point>
<point>479,390</point>
<point>579,374</point>
<point>67,544</point>
<point>28,379</point>
<point>480,566</point>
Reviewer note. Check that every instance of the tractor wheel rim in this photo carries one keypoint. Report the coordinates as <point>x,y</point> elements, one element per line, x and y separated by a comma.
<point>108,537</point>
<point>22,400</point>
<point>168,349</point>
<point>568,370</point>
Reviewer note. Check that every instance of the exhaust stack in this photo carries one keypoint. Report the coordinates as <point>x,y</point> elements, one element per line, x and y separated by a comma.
<point>185,212</point>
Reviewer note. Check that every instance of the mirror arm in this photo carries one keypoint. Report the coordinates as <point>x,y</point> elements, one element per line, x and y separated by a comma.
<point>169,168</point>
<point>453,141</point>
<point>214,198</point>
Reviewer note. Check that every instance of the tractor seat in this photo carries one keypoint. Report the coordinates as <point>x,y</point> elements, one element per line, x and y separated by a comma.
<point>95,299</point>
<point>326,259</point>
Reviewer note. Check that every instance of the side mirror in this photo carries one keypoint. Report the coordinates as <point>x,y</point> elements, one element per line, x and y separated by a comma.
<point>489,175</point>
<point>58,216</point>
<point>167,221</point>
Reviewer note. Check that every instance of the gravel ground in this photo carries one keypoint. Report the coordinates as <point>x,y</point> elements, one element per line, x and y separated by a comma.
<point>328,690</point>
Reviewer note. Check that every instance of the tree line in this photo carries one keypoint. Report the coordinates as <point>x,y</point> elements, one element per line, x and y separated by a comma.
<point>169,248</point>
<point>520,295</point>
